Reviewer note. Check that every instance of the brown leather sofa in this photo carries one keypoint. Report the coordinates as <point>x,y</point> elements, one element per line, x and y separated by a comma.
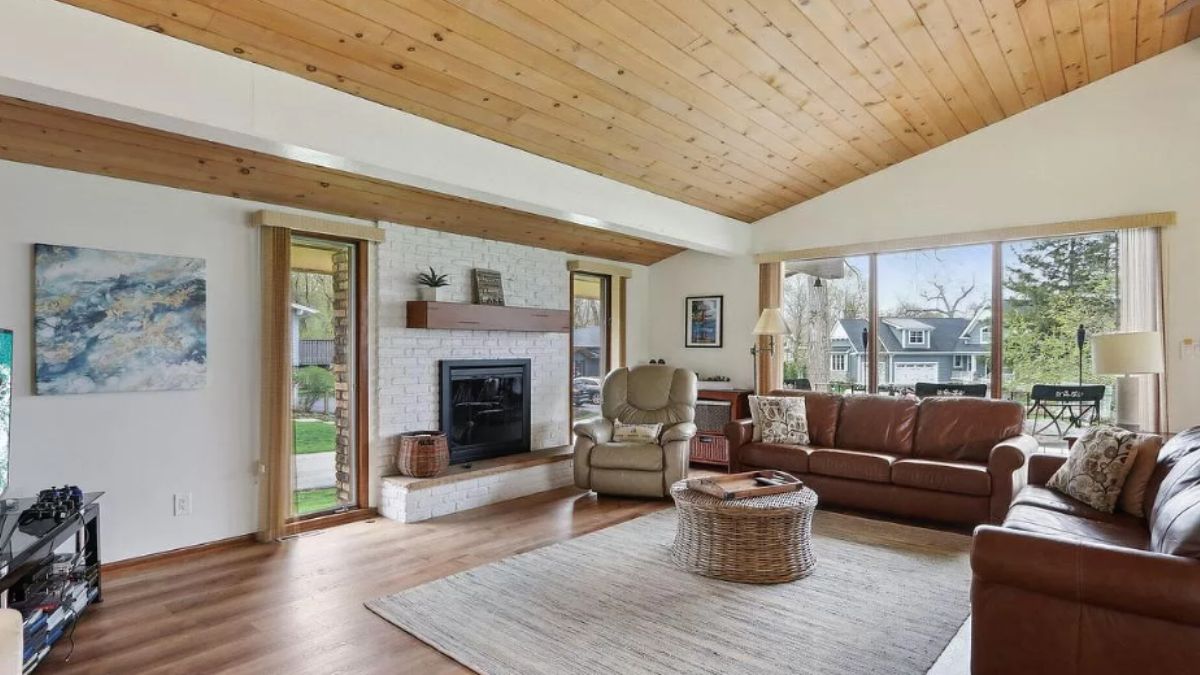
<point>957,460</point>
<point>1065,589</point>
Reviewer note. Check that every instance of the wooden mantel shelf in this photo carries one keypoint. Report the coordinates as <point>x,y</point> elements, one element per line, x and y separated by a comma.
<point>461,316</point>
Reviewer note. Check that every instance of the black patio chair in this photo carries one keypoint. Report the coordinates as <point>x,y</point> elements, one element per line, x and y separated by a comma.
<point>927,389</point>
<point>1074,405</point>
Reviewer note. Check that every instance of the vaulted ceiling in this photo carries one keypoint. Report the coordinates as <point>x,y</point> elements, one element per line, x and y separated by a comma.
<point>741,107</point>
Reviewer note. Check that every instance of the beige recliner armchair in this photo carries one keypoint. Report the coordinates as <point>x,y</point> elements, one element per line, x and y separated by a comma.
<point>640,395</point>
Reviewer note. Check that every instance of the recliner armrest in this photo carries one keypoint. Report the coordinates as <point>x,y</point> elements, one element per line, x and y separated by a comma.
<point>678,432</point>
<point>1073,569</point>
<point>599,429</point>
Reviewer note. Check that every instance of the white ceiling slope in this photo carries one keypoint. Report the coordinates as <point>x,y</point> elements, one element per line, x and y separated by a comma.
<point>61,55</point>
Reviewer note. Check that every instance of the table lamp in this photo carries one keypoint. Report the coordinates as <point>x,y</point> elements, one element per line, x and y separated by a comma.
<point>1127,354</point>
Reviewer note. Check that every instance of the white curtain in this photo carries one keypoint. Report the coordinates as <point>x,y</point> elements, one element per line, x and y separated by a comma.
<point>1139,265</point>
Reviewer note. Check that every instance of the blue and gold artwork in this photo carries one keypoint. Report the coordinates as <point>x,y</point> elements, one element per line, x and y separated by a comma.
<point>107,321</point>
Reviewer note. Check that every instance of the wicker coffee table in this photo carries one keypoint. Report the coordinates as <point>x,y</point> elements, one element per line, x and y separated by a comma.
<point>760,540</point>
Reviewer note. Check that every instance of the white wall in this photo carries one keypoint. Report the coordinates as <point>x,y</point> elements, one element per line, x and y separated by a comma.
<point>63,55</point>
<point>139,447</point>
<point>693,273</point>
<point>1129,143</point>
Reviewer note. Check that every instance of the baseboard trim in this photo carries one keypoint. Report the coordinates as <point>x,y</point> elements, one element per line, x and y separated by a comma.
<point>176,553</point>
<point>173,555</point>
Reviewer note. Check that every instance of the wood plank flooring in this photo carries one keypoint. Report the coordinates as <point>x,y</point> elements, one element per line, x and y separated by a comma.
<point>297,607</point>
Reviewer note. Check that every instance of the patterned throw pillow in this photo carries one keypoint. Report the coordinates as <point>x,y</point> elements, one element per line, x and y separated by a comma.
<point>783,420</point>
<point>636,433</point>
<point>1095,472</point>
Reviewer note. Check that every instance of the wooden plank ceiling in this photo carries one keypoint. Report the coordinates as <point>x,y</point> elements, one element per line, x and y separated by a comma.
<point>742,107</point>
<point>38,134</point>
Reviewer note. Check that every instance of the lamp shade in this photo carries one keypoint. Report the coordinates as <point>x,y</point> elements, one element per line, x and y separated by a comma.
<point>771,322</point>
<point>1127,353</point>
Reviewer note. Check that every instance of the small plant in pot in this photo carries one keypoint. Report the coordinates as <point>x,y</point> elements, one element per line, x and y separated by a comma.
<point>430,285</point>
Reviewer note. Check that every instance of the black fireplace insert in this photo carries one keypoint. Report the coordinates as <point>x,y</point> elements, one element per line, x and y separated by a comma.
<point>484,407</point>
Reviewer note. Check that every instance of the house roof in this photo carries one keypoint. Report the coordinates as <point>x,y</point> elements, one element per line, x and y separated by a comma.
<point>944,334</point>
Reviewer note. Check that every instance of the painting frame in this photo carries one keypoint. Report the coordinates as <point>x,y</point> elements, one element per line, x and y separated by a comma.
<point>110,321</point>
<point>704,322</point>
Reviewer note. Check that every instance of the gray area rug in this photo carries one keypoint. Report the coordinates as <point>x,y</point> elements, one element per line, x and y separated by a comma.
<point>885,598</point>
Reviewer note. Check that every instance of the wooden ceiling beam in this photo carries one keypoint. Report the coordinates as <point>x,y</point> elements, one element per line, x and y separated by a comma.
<point>37,134</point>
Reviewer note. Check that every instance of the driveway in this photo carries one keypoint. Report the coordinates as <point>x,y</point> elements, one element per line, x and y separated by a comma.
<point>315,470</point>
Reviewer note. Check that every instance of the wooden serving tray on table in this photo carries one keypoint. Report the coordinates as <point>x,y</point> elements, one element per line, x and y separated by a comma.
<point>744,485</point>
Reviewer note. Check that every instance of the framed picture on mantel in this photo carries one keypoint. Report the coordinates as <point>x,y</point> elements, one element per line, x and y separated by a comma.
<point>705,317</point>
<point>489,287</point>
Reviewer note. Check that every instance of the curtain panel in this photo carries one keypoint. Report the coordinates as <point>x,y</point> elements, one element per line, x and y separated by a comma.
<point>276,419</point>
<point>1139,278</point>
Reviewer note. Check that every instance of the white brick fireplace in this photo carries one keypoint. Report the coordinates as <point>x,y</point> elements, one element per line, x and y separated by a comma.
<point>407,359</point>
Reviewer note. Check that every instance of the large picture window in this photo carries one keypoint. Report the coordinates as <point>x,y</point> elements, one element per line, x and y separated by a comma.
<point>938,319</point>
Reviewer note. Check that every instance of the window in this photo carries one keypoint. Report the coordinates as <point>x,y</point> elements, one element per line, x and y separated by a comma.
<point>964,362</point>
<point>985,335</point>
<point>837,363</point>
<point>591,314</point>
<point>917,337</point>
<point>825,302</point>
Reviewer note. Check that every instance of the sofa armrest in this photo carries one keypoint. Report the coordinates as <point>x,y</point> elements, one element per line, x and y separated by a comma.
<point>1006,466</point>
<point>598,429</point>
<point>678,432</point>
<point>737,434</point>
<point>1042,466</point>
<point>1127,580</point>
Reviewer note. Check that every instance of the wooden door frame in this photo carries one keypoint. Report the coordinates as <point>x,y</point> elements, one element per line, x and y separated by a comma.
<point>606,291</point>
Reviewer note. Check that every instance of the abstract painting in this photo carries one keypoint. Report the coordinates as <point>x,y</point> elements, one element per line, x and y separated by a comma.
<point>108,321</point>
<point>6,371</point>
<point>705,319</point>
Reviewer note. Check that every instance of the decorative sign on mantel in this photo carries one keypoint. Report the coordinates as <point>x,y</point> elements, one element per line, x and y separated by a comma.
<point>489,287</point>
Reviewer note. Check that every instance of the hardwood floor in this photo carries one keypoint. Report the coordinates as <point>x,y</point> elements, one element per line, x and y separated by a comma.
<point>297,607</point>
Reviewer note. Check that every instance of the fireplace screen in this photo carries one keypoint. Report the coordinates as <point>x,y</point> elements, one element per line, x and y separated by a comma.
<point>485,408</point>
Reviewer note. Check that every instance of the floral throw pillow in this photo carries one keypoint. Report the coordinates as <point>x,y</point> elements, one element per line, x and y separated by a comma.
<point>783,420</point>
<point>636,433</point>
<point>1095,472</point>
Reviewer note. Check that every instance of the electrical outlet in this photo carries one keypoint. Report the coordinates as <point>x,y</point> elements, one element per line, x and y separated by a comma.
<point>183,504</point>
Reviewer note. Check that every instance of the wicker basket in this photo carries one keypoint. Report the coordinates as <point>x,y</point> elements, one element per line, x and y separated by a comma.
<point>423,454</point>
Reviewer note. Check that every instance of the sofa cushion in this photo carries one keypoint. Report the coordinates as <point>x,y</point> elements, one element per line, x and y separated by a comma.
<point>1176,529</point>
<point>965,429</point>
<point>877,424</point>
<point>965,478</point>
<point>1122,530</point>
<point>869,466</point>
<point>790,458</point>
<point>636,456</point>
<point>1178,469</point>
<point>1043,497</point>
<point>823,411</point>
<point>1145,458</point>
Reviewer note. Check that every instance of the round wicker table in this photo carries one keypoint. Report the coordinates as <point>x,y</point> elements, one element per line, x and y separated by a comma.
<point>760,540</point>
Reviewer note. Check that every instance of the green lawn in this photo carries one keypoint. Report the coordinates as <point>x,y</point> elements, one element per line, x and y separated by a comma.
<point>313,436</point>
<point>312,501</point>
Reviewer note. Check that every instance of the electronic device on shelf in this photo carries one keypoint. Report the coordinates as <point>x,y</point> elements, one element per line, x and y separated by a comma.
<point>53,506</point>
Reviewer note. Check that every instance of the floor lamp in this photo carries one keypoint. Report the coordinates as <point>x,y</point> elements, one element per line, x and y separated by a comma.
<point>1127,354</point>
<point>770,323</point>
